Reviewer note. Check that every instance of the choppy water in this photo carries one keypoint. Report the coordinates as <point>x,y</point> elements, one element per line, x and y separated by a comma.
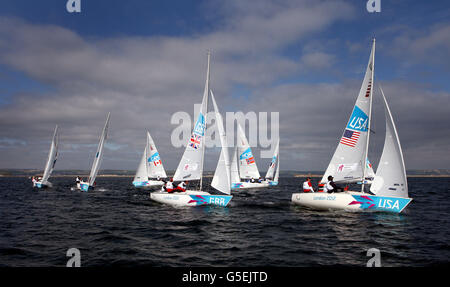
<point>117,225</point>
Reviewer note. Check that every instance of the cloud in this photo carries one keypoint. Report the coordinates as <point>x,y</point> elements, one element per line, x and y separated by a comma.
<point>143,81</point>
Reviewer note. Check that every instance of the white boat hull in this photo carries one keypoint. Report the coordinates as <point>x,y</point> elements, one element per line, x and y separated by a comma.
<point>249,185</point>
<point>149,184</point>
<point>39,184</point>
<point>84,186</point>
<point>190,198</point>
<point>351,201</point>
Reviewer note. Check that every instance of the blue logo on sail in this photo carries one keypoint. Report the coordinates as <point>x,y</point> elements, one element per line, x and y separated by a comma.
<point>199,127</point>
<point>154,157</point>
<point>246,154</point>
<point>359,121</point>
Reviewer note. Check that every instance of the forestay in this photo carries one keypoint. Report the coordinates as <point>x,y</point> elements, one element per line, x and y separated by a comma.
<point>347,163</point>
<point>390,179</point>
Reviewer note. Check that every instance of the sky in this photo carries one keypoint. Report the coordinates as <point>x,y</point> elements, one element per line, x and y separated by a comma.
<point>145,61</point>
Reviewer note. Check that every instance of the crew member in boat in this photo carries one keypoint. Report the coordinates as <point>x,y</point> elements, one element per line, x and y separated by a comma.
<point>163,187</point>
<point>169,186</point>
<point>307,186</point>
<point>181,186</point>
<point>78,180</point>
<point>331,187</point>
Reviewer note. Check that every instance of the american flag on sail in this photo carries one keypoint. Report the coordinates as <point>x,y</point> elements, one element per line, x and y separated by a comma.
<point>195,141</point>
<point>350,138</point>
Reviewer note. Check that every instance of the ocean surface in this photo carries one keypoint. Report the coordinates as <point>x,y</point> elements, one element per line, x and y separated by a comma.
<point>117,225</point>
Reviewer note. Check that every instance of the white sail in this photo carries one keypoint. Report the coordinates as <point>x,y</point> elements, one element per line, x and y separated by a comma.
<point>247,164</point>
<point>155,167</point>
<point>234,170</point>
<point>222,178</point>
<point>191,164</point>
<point>370,174</point>
<point>277,173</point>
<point>141,173</point>
<point>390,179</point>
<point>52,157</point>
<point>348,162</point>
<point>273,163</point>
<point>99,154</point>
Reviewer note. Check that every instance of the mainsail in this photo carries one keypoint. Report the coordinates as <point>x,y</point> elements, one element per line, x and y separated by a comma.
<point>247,164</point>
<point>191,164</point>
<point>99,154</point>
<point>221,180</point>
<point>348,162</point>
<point>52,157</point>
<point>277,173</point>
<point>273,163</point>
<point>154,164</point>
<point>390,179</point>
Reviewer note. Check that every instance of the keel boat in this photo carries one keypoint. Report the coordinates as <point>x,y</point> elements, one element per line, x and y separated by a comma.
<point>245,172</point>
<point>191,165</point>
<point>90,183</point>
<point>274,165</point>
<point>389,188</point>
<point>50,164</point>
<point>150,171</point>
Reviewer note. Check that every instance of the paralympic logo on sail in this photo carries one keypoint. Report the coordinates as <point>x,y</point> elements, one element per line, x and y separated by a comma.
<point>200,125</point>
<point>246,154</point>
<point>358,120</point>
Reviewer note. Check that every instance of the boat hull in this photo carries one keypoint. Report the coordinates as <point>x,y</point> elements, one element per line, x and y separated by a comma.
<point>39,184</point>
<point>249,185</point>
<point>190,198</point>
<point>84,186</point>
<point>149,184</point>
<point>351,201</point>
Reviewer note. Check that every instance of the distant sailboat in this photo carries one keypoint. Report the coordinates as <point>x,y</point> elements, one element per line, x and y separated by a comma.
<point>90,183</point>
<point>150,170</point>
<point>247,169</point>
<point>191,164</point>
<point>50,164</point>
<point>389,190</point>
<point>274,165</point>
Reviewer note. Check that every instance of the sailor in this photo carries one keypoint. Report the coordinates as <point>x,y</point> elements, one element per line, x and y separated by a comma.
<point>182,186</point>
<point>169,186</point>
<point>307,186</point>
<point>163,187</point>
<point>78,179</point>
<point>331,187</point>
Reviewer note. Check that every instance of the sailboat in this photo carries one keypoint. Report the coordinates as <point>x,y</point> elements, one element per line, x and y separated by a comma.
<point>389,189</point>
<point>191,164</point>
<point>247,169</point>
<point>150,170</point>
<point>50,164</point>
<point>90,183</point>
<point>274,164</point>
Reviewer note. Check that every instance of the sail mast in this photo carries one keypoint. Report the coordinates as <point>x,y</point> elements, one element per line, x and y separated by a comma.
<point>205,96</point>
<point>370,117</point>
